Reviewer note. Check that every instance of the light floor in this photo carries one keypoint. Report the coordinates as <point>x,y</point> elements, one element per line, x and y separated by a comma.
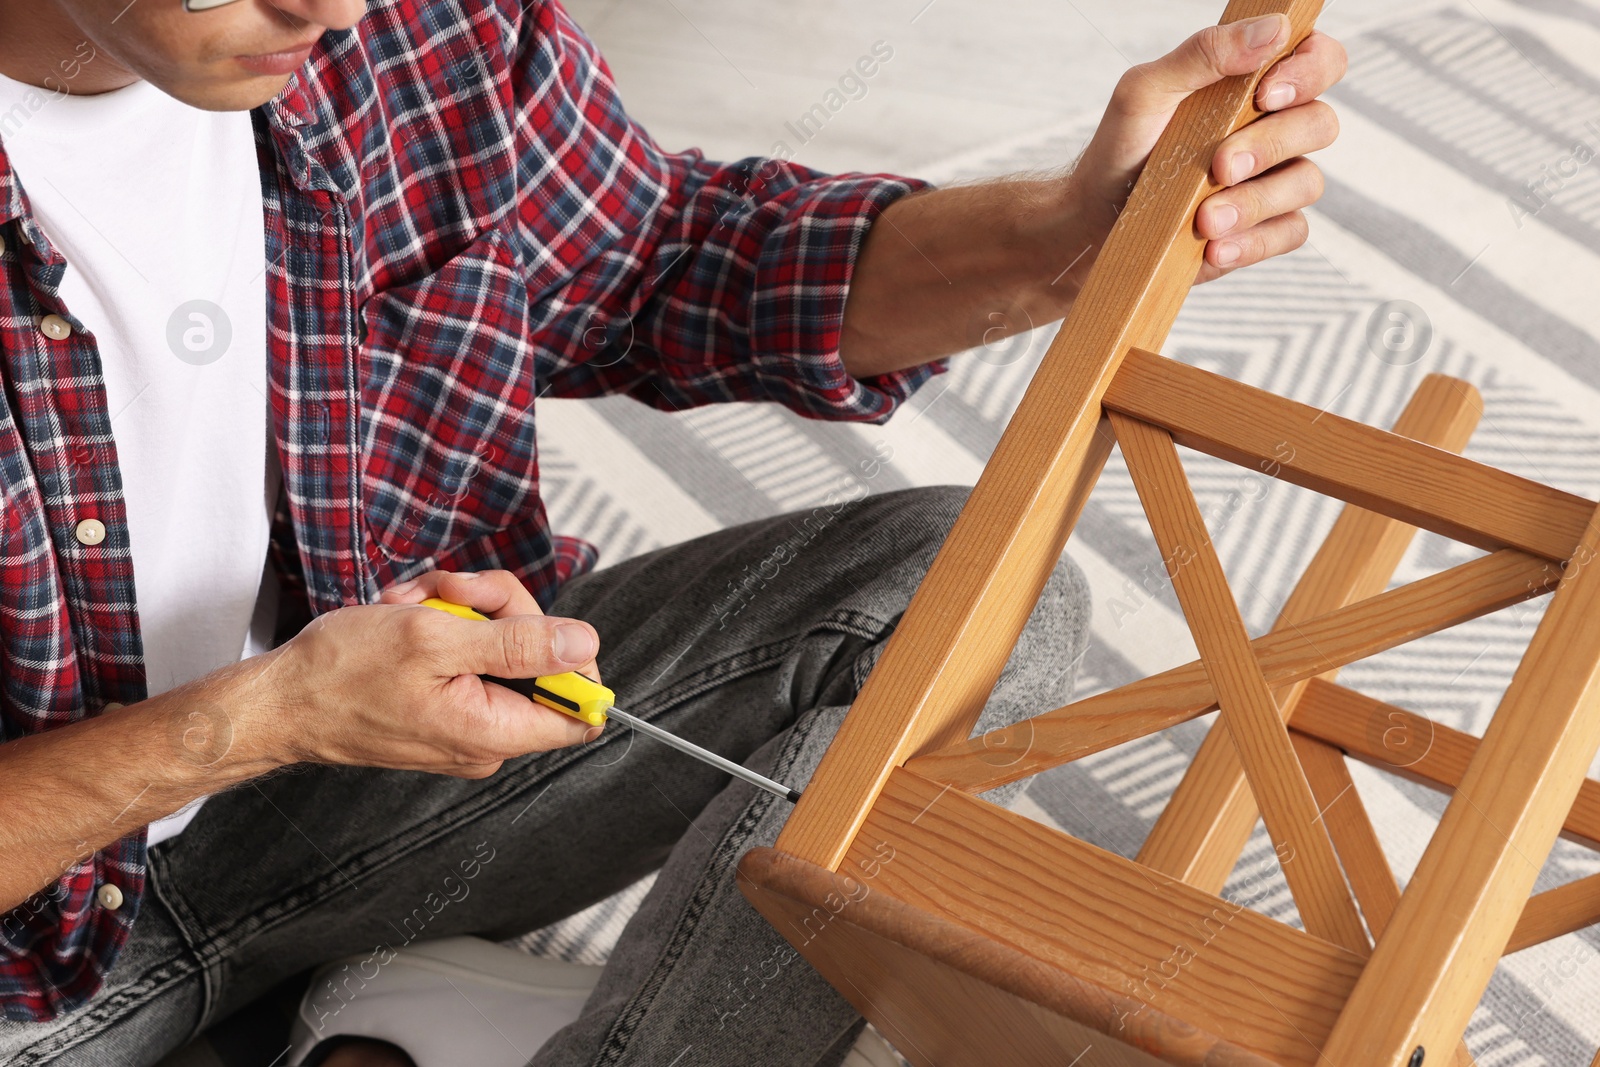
<point>727,75</point>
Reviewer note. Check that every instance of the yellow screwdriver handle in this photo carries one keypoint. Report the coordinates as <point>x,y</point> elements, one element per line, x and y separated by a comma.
<point>571,693</point>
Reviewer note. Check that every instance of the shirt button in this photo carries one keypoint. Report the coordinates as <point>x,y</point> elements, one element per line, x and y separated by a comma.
<point>91,532</point>
<point>2,244</point>
<point>109,896</point>
<point>55,327</point>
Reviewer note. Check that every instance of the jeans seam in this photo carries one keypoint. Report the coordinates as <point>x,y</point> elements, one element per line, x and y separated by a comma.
<point>115,1006</point>
<point>185,922</point>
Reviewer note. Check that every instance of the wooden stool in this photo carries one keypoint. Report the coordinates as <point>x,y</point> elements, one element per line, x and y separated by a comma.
<point>971,935</point>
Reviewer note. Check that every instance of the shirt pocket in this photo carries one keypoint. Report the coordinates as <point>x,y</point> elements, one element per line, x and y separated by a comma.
<point>448,386</point>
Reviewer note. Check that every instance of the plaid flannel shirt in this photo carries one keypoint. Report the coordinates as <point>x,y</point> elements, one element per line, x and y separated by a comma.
<point>460,218</point>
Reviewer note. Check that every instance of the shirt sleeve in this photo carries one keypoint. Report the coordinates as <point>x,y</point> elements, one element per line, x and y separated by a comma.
<point>680,281</point>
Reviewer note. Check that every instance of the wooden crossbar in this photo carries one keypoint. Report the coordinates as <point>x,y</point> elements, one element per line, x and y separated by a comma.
<point>1346,819</point>
<point>1372,468</point>
<point>1363,629</point>
<point>1249,713</point>
<point>1437,756</point>
<point>1203,830</point>
<point>1566,909</point>
<point>1415,747</point>
<point>1356,840</point>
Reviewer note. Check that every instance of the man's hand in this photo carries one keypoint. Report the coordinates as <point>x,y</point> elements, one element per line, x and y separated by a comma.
<point>1263,168</point>
<point>395,685</point>
<point>951,269</point>
<point>381,685</point>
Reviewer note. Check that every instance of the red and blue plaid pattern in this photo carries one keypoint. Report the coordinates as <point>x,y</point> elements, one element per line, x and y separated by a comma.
<point>461,218</point>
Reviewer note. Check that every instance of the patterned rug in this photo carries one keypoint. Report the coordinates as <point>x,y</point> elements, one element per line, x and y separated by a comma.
<point>1462,185</point>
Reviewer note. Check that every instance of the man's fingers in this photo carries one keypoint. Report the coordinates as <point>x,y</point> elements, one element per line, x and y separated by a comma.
<point>486,724</point>
<point>518,726</point>
<point>1274,139</point>
<point>476,770</point>
<point>1316,65</point>
<point>524,646</point>
<point>518,646</point>
<point>1280,234</point>
<point>493,593</point>
<point>1294,185</point>
<point>1212,54</point>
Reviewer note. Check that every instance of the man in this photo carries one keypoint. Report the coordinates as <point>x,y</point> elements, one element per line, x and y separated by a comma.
<point>280,284</point>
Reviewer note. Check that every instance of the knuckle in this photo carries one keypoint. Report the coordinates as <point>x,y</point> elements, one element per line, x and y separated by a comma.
<point>1270,146</point>
<point>474,754</point>
<point>1211,45</point>
<point>1331,51</point>
<point>1126,94</point>
<point>1333,121</point>
<point>1255,248</point>
<point>1262,204</point>
<point>472,743</point>
<point>411,627</point>
<point>501,578</point>
<point>526,642</point>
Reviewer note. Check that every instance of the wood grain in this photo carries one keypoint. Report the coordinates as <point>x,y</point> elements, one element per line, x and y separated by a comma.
<point>1562,910</point>
<point>1431,965</point>
<point>1380,471</point>
<point>1202,831</point>
<point>949,996</point>
<point>1345,816</point>
<point>1140,708</point>
<point>938,669</point>
<point>1218,966</point>
<point>1414,747</point>
<point>1248,711</point>
<point>1353,835</point>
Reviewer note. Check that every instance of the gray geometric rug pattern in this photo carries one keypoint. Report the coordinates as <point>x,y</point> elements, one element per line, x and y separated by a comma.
<point>1464,185</point>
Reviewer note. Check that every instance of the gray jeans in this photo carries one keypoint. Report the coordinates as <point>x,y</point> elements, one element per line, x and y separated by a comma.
<point>751,641</point>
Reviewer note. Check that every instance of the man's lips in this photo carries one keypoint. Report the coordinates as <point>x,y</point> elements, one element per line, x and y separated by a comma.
<point>276,62</point>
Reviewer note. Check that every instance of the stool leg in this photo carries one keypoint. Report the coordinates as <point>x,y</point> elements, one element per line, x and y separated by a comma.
<point>1355,840</point>
<point>1436,956</point>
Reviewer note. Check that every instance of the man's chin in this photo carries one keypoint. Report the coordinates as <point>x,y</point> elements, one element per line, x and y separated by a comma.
<point>236,93</point>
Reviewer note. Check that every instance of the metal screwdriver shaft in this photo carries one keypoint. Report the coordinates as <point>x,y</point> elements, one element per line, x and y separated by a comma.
<point>705,756</point>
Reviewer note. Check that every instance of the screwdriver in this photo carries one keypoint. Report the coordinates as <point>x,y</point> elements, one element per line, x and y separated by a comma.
<point>588,701</point>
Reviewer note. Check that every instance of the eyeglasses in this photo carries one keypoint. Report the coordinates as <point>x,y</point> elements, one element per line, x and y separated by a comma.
<point>204,5</point>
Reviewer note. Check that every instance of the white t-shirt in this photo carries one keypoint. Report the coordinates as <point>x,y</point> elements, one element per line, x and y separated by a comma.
<point>157,208</point>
